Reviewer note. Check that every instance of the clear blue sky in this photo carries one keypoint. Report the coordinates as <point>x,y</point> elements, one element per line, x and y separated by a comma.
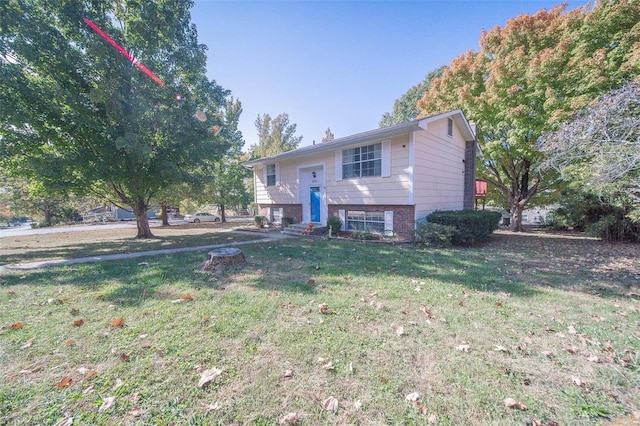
<point>337,64</point>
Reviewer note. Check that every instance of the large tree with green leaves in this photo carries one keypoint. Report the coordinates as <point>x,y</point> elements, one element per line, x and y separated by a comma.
<point>78,116</point>
<point>527,78</point>
<point>274,136</point>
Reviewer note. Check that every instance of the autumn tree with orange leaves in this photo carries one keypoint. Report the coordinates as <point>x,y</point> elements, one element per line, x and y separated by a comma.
<point>530,76</point>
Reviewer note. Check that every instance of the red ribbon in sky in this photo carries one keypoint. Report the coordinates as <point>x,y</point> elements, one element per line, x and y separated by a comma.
<point>126,54</point>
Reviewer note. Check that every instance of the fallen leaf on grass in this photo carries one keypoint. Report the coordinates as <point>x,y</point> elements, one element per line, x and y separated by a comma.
<point>89,389</point>
<point>64,382</point>
<point>512,403</point>
<point>107,403</point>
<point>118,322</point>
<point>16,326</point>
<point>328,366</point>
<point>287,375</point>
<point>463,348</point>
<point>330,404</point>
<point>426,311</point>
<point>117,386</point>
<point>31,369</point>
<point>593,358</point>
<point>78,322</point>
<point>124,357</point>
<point>28,343</point>
<point>187,297</point>
<point>400,331</point>
<point>578,382</point>
<point>75,311</point>
<point>310,281</point>
<point>11,293</point>
<point>90,374</point>
<point>412,397</point>
<point>135,411</point>
<point>211,407</point>
<point>67,421</point>
<point>323,308</point>
<point>289,419</point>
<point>422,408</point>
<point>207,376</point>
<point>70,342</point>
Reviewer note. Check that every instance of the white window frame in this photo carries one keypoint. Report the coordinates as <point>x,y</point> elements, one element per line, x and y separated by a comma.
<point>374,149</point>
<point>367,219</point>
<point>267,175</point>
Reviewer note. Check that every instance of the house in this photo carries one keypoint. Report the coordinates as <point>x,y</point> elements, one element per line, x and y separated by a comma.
<point>381,181</point>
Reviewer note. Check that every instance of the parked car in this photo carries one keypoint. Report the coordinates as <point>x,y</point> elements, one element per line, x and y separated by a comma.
<point>201,217</point>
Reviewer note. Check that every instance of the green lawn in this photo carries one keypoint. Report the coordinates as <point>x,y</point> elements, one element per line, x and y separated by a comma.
<point>553,323</point>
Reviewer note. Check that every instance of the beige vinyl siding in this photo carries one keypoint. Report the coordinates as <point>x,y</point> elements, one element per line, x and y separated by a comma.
<point>373,190</point>
<point>438,169</point>
<point>286,189</point>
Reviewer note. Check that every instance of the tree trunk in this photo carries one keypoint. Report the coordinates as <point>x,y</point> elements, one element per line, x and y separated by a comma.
<point>223,217</point>
<point>516,217</point>
<point>47,214</point>
<point>142,221</point>
<point>165,216</point>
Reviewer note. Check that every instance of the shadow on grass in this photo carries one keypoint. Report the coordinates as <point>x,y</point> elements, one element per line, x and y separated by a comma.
<point>125,245</point>
<point>512,263</point>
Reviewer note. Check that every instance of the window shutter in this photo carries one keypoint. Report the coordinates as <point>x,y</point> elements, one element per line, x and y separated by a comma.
<point>342,214</point>
<point>338,166</point>
<point>268,216</point>
<point>386,158</point>
<point>388,222</point>
<point>277,174</point>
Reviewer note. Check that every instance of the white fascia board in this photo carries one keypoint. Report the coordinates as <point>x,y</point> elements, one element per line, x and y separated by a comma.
<point>370,136</point>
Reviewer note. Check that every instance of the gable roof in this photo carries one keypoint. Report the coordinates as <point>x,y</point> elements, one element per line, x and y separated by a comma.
<point>377,134</point>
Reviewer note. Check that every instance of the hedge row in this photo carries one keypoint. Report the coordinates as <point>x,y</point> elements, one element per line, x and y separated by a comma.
<point>471,226</point>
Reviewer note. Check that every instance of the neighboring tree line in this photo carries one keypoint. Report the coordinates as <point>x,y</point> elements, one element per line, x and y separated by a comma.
<point>528,80</point>
<point>79,118</point>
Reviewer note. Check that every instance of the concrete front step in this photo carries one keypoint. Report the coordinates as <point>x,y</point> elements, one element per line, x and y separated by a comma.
<point>298,229</point>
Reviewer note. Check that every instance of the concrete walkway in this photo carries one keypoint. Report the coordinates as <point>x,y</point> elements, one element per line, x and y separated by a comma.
<point>118,256</point>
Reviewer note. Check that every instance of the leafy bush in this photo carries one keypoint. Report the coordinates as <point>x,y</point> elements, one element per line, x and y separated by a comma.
<point>334,224</point>
<point>614,228</point>
<point>362,235</point>
<point>261,221</point>
<point>609,217</point>
<point>472,226</point>
<point>286,221</point>
<point>434,234</point>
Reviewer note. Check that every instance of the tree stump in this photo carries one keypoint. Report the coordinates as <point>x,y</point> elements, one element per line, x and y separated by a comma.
<point>220,259</point>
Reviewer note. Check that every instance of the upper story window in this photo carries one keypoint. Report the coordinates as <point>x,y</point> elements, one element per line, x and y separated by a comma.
<point>271,174</point>
<point>449,127</point>
<point>362,161</point>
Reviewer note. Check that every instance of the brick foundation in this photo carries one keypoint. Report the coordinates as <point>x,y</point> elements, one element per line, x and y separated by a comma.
<point>403,216</point>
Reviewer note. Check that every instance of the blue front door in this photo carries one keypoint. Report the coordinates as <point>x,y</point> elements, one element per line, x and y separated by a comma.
<point>315,204</point>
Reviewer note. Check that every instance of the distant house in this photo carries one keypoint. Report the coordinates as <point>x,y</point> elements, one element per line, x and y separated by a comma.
<point>381,181</point>
<point>110,213</point>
